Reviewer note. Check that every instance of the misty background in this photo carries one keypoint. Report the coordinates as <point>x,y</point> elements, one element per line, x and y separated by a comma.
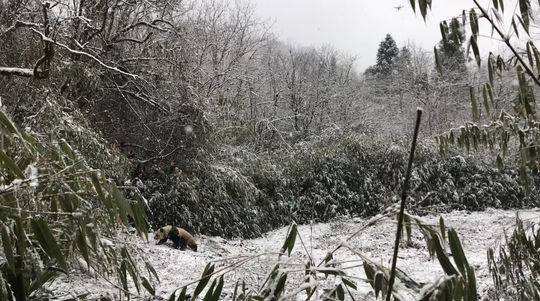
<point>357,26</point>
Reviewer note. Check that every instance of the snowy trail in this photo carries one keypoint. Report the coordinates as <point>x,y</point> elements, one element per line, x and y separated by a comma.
<point>477,230</point>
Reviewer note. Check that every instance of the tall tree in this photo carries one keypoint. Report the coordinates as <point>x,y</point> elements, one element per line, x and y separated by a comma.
<point>387,56</point>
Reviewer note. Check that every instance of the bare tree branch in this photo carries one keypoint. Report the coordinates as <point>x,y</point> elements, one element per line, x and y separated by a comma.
<point>142,23</point>
<point>84,54</point>
<point>19,24</point>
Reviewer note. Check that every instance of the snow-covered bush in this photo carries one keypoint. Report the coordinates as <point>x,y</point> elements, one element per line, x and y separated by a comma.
<point>457,183</point>
<point>52,116</point>
<point>246,195</point>
<point>214,200</point>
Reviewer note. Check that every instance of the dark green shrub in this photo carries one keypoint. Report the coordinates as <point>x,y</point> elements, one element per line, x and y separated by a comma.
<point>245,195</point>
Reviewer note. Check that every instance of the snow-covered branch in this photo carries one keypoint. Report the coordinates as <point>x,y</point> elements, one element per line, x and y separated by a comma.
<point>13,71</point>
<point>19,24</point>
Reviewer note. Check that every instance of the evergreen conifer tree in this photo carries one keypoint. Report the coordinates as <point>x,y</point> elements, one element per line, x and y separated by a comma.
<point>386,56</point>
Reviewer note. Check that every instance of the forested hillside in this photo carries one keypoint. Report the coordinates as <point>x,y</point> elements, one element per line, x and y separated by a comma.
<point>120,117</point>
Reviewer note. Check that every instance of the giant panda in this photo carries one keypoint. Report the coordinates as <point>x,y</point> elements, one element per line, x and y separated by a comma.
<point>180,237</point>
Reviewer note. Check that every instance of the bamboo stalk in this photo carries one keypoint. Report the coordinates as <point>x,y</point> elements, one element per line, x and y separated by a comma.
<point>403,203</point>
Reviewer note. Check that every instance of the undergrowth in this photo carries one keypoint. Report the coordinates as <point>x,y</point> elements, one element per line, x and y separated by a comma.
<point>244,195</point>
<point>56,212</point>
<point>515,264</point>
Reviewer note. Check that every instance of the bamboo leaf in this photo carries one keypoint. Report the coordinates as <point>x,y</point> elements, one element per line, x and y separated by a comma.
<point>44,236</point>
<point>6,125</point>
<point>288,245</point>
<point>514,26</point>
<point>331,271</point>
<point>340,292</point>
<point>209,292</point>
<point>444,261</point>
<point>132,267</point>
<point>99,189</point>
<point>536,54</point>
<point>146,284</point>
<point>473,18</point>
<point>529,51</point>
<point>205,278</point>
<point>19,281</point>
<point>458,291</point>
<point>471,285</point>
<point>497,15</point>
<point>349,283</point>
<point>118,199</point>
<point>134,276</point>
<point>501,65</point>
<point>490,94</point>
<point>151,270</point>
<point>182,296</point>
<point>10,166</point>
<point>122,273</point>
<point>66,148</point>
<point>476,52</point>
<point>218,290</point>
<point>413,5</point>
<point>442,228</point>
<point>423,5</point>
<point>36,146</point>
<point>474,105</point>
<point>486,98</point>
<point>443,26</point>
<point>525,27</point>
<point>280,286</point>
<point>490,69</point>
<point>369,271</point>
<point>524,8</point>
<point>140,219</point>
<point>329,256</point>
<point>457,252</point>
<point>378,283</point>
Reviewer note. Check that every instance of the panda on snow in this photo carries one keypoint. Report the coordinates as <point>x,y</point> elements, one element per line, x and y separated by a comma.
<point>180,237</point>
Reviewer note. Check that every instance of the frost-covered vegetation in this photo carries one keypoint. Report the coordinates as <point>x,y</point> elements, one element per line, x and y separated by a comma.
<point>57,212</point>
<point>247,195</point>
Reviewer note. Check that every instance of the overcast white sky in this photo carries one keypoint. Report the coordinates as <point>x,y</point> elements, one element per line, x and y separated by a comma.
<point>357,26</point>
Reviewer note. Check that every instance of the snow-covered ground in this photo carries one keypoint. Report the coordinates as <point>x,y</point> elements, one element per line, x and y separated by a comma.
<point>478,231</point>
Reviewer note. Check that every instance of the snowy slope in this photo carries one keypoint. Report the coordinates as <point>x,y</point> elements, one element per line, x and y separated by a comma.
<point>478,231</point>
